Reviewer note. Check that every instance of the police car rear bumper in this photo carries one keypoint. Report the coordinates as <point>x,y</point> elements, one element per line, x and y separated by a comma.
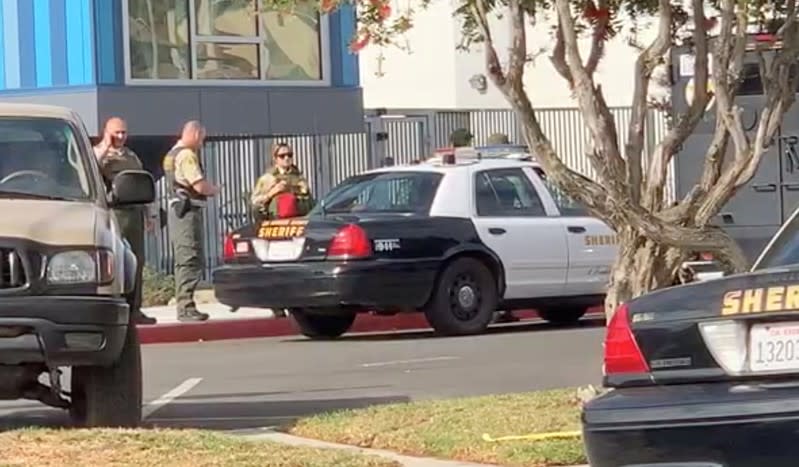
<point>720,424</point>
<point>373,285</point>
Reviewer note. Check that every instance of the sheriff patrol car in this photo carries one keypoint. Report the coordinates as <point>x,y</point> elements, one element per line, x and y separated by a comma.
<point>457,237</point>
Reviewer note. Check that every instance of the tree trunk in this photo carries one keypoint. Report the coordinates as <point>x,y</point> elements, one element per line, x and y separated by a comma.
<point>641,265</point>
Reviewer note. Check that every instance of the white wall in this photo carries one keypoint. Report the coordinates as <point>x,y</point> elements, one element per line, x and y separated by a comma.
<point>436,75</point>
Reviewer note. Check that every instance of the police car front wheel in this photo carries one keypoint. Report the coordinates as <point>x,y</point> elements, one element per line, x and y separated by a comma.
<point>464,299</point>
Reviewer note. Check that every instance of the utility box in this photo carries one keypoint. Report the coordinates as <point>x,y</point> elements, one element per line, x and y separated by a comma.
<point>758,209</point>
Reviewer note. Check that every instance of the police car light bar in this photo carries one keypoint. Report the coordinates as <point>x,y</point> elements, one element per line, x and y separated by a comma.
<point>472,154</point>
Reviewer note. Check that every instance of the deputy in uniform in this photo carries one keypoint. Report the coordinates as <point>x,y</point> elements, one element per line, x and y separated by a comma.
<point>114,157</point>
<point>283,177</point>
<point>188,191</point>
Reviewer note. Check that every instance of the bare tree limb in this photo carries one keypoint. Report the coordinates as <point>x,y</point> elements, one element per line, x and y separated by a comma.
<point>659,162</point>
<point>518,50</point>
<point>592,194</point>
<point>606,157</point>
<point>558,57</point>
<point>598,38</point>
<point>644,66</point>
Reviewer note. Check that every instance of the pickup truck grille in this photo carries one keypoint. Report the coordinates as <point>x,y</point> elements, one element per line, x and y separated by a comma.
<point>12,271</point>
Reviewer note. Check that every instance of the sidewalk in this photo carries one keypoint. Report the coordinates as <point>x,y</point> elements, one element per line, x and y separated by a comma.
<point>406,461</point>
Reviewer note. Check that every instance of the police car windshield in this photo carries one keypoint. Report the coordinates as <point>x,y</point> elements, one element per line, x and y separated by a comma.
<point>384,192</point>
<point>40,158</point>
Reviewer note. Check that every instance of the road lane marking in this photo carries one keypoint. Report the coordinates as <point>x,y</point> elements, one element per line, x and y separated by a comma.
<point>170,396</point>
<point>414,360</point>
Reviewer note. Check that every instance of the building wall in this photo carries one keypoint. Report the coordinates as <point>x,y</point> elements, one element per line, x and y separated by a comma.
<point>436,75</point>
<point>44,44</point>
<point>73,53</point>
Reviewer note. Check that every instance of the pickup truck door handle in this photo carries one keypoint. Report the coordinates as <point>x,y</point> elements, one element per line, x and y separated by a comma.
<point>575,229</point>
<point>496,230</point>
<point>791,186</point>
<point>765,187</point>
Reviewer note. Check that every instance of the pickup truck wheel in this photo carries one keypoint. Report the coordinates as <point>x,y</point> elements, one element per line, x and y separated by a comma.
<point>110,396</point>
<point>562,315</point>
<point>322,325</point>
<point>464,300</point>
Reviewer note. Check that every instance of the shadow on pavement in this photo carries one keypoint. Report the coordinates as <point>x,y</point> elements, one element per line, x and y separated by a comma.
<point>203,412</point>
<point>244,415</point>
<point>518,327</point>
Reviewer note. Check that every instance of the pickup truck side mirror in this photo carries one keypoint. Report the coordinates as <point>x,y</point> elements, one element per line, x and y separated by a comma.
<point>132,187</point>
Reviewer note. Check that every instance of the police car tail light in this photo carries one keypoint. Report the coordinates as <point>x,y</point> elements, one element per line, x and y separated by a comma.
<point>228,249</point>
<point>234,247</point>
<point>349,242</point>
<point>726,341</point>
<point>622,354</point>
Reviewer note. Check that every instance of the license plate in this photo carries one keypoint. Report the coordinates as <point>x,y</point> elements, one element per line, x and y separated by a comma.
<point>278,250</point>
<point>774,347</point>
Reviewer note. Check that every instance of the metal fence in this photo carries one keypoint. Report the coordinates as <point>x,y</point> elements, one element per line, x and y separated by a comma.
<point>237,161</point>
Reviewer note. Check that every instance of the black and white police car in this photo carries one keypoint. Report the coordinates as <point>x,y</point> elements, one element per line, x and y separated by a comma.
<point>457,237</point>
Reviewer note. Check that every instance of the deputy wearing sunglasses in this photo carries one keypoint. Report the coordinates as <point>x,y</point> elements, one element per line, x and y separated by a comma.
<point>283,191</point>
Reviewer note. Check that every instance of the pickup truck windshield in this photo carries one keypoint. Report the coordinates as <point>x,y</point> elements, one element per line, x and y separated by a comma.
<point>40,158</point>
<point>385,192</point>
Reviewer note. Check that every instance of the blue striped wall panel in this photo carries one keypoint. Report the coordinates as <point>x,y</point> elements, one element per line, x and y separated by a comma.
<point>47,43</point>
<point>344,64</point>
<point>108,37</point>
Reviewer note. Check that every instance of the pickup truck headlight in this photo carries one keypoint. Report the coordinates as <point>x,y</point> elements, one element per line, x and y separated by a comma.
<point>80,267</point>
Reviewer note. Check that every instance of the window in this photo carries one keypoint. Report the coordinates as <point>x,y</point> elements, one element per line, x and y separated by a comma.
<point>41,157</point>
<point>566,205</point>
<point>506,193</point>
<point>223,40</point>
<point>784,251</point>
<point>400,192</point>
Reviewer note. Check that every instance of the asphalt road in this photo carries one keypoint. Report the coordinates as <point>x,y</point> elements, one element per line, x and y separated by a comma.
<point>249,384</point>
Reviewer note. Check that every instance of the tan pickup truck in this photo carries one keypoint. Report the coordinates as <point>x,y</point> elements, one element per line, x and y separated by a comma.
<point>66,274</point>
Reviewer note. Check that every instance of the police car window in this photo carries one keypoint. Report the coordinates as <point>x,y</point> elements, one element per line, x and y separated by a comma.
<point>40,157</point>
<point>506,193</point>
<point>383,192</point>
<point>566,205</point>
<point>785,249</point>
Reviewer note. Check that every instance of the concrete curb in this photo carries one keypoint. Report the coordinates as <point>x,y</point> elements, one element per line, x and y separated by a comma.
<point>248,328</point>
<point>407,461</point>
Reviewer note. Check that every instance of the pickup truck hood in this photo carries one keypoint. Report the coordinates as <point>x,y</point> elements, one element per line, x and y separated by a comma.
<point>48,221</point>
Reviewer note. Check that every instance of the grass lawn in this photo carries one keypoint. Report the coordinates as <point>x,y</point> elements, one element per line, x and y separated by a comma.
<point>454,428</point>
<point>144,448</point>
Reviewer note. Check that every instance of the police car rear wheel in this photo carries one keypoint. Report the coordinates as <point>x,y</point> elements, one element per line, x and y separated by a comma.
<point>464,300</point>
<point>322,324</point>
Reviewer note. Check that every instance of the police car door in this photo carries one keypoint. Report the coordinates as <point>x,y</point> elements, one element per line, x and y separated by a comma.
<point>512,221</point>
<point>592,244</point>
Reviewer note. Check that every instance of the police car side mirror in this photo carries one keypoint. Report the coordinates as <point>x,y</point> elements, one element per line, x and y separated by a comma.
<point>132,187</point>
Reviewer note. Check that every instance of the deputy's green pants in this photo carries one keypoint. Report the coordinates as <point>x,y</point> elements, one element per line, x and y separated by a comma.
<point>131,224</point>
<point>187,241</point>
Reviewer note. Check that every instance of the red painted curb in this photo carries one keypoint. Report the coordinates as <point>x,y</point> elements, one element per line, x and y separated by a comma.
<point>270,327</point>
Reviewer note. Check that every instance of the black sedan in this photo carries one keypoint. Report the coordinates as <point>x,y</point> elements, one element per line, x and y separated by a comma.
<point>706,374</point>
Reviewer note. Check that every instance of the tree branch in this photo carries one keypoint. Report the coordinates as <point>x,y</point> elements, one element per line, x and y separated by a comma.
<point>558,57</point>
<point>644,66</point>
<point>598,38</point>
<point>659,162</point>
<point>588,192</point>
<point>606,157</point>
<point>518,50</point>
